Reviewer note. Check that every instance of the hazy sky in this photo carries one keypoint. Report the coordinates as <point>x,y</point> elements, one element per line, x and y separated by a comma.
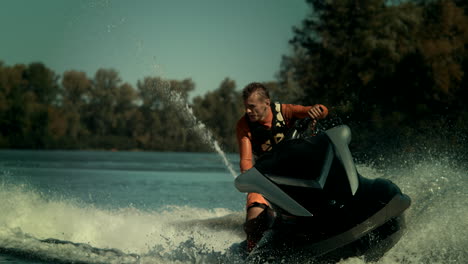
<point>206,40</point>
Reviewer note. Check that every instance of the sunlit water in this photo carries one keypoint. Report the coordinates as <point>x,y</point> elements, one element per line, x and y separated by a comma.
<point>149,207</point>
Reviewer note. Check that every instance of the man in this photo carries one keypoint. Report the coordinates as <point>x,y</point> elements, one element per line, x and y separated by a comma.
<point>264,125</point>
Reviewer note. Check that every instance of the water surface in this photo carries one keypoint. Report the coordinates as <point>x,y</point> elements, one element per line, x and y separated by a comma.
<point>152,207</point>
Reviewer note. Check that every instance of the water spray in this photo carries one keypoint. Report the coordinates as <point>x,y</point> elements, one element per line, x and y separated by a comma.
<point>186,112</point>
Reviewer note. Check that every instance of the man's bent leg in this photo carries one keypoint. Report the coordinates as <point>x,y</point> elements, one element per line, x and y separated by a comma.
<point>255,227</point>
<point>256,220</point>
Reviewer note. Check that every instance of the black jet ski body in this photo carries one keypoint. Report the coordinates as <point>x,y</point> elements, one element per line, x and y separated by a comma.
<point>320,206</point>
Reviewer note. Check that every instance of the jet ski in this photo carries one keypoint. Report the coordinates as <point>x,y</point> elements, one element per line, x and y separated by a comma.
<point>321,208</point>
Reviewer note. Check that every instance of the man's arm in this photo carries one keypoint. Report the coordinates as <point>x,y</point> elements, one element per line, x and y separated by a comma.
<point>245,146</point>
<point>254,200</point>
<point>291,111</point>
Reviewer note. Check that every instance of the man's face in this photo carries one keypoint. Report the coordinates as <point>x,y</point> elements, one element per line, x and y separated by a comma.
<point>256,107</point>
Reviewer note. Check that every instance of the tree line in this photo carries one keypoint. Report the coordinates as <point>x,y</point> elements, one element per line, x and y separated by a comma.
<point>392,70</point>
<point>396,71</point>
<point>41,110</point>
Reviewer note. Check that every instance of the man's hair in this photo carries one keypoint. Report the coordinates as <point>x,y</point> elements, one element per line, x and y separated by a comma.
<point>255,87</point>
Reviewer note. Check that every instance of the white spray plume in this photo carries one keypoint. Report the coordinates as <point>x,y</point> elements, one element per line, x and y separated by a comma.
<point>186,112</point>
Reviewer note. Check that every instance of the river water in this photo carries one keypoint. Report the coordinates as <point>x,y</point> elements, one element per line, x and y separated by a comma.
<point>163,207</point>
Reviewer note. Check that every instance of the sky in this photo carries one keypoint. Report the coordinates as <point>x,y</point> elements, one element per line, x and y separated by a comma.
<point>205,40</point>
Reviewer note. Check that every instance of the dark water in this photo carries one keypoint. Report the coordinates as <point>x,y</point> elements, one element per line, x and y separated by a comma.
<point>150,207</point>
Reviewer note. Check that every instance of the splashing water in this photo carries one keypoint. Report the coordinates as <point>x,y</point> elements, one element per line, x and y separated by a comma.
<point>40,226</point>
<point>186,112</point>
<point>37,226</point>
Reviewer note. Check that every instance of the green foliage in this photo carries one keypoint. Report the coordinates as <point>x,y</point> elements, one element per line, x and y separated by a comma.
<point>99,113</point>
<point>388,68</point>
<point>393,70</point>
<point>219,110</point>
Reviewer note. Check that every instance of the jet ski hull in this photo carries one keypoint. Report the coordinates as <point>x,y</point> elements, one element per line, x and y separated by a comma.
<point>371,238</point>
<point>321,208</point>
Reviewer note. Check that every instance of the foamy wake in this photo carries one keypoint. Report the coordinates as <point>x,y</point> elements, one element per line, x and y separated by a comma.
<point>40,227</point>
<point>437,219</point>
